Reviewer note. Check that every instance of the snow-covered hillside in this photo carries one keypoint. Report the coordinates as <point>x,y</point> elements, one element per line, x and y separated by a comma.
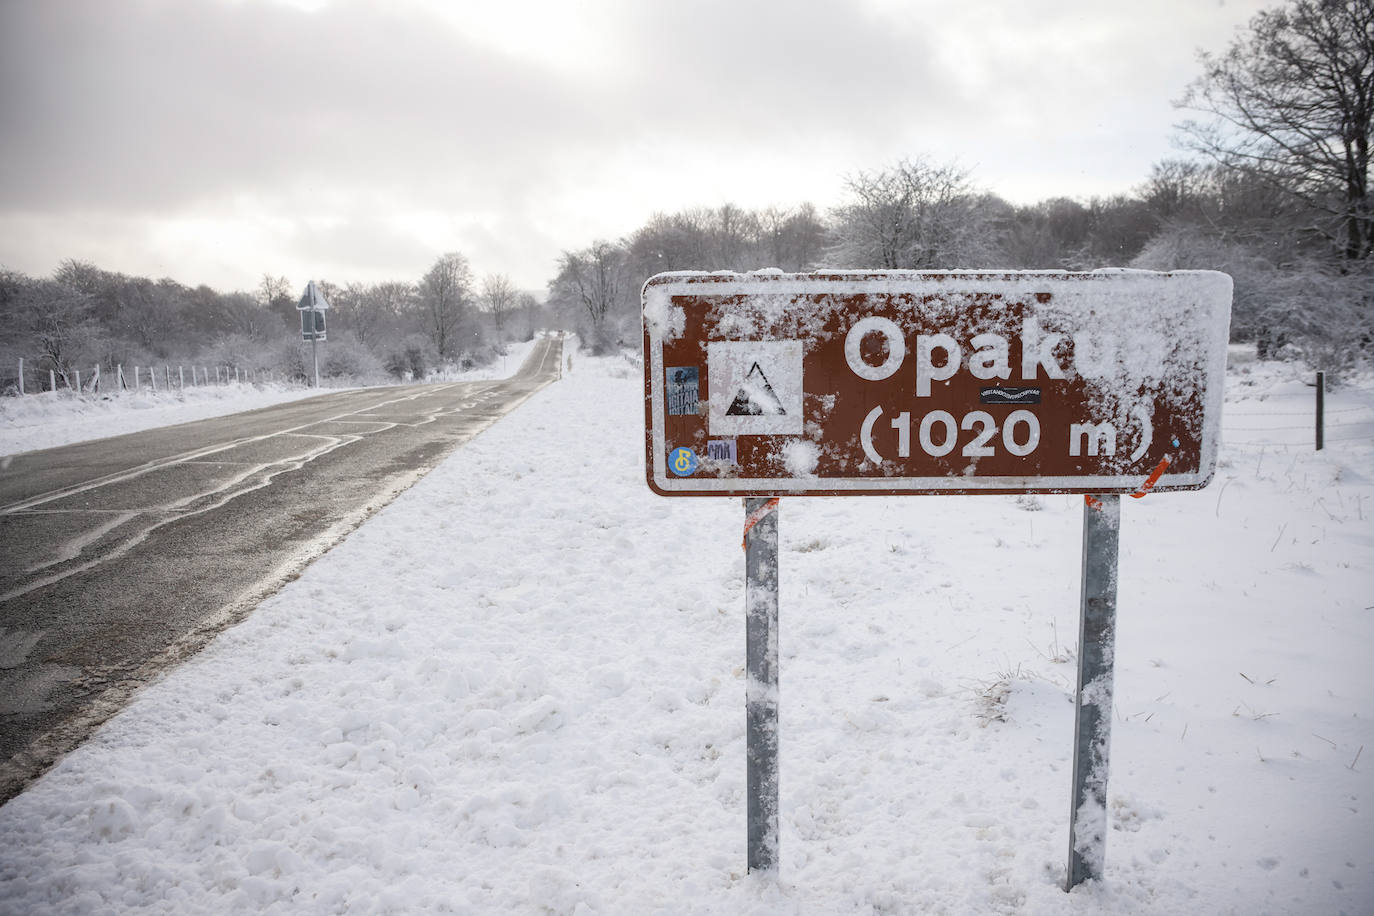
<point>519,689</point>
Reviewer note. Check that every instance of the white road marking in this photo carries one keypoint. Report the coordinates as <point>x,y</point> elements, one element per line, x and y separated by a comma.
<point>230,488</point>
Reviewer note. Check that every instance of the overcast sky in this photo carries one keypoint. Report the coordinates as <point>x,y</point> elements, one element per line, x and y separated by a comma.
<point>213,141</point>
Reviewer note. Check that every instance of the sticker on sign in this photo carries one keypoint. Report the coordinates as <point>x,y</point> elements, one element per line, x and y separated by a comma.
<point>955,382</point>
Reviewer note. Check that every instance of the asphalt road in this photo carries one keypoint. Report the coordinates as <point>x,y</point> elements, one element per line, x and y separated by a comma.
<point>121,557</point>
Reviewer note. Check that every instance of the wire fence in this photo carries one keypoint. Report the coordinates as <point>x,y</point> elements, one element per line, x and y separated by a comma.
<point>1347,423</point>
<point>1363,432</point>
<point>25,378</point>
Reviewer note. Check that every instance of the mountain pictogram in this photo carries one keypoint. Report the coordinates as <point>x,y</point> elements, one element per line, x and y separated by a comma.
<point>756,397</point>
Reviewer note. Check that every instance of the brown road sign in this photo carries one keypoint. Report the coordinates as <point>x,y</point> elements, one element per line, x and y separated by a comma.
<point>773,384</point>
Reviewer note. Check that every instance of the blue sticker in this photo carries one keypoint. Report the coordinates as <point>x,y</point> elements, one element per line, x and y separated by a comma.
<point>683,461</point>
<point>682,391</point>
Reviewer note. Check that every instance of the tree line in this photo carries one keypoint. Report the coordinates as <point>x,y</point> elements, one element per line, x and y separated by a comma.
<point>83,315</point>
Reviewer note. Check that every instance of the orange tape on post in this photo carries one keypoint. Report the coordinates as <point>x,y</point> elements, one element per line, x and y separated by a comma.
<point>757,517</point>
<point>1092,502</point>
<point>1153,479</point>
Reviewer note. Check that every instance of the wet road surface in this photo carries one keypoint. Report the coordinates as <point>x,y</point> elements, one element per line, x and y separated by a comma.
<point>124,556</point>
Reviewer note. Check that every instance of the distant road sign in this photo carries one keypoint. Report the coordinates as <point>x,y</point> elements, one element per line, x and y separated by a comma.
<point>312,299</point>
<point>312,325</point>
<point>959,382</point>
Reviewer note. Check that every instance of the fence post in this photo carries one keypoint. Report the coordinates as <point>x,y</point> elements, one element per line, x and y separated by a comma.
<point>21,376</point>
<point>52,379</point>
<point>1321,407</point>
<point>95,380</point>
<point>79,389</point>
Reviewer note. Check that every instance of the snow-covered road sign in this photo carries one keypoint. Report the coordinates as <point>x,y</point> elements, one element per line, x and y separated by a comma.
<point>957,382</point>
<point>312,299</point>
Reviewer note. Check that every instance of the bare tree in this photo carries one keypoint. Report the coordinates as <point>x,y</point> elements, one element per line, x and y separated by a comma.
<point>1292,102</point>
<point>736,235</point>
<point>446,297</point>
<point>914,215</point>
<point>791,239</point>
<point>48,318</point>
<point>498,298</point>
<point>149,312</point>
<point>1118,228</point>
<point>665,243</point>
<point>1046,235</point>
<point>589,284</point>
<point>275,295</point>
<point>242,314</point>
<point>529,309</point>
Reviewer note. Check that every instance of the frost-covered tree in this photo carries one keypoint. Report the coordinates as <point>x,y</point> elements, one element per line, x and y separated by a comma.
<point>530,312</point>
<point>914,215</point>
<point>792,239</point>
<point>1287,303</point>
<point>590,290</point>
<point>1046,235</point>
<point>240,313</point>
<point>499,301</point>
<point>445,300</point>
<point>1291,103</point>
<point>275,295</point>
<point>48,319</point>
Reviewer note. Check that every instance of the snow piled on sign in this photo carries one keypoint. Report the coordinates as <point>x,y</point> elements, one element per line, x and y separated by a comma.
<point>800,457</point>
<point>520,689</point>
<point>1142,346</point>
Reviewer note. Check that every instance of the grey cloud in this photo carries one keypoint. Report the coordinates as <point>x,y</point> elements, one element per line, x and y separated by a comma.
<point>780,66</point>
<point>145,105</point>
<point>357,243</point>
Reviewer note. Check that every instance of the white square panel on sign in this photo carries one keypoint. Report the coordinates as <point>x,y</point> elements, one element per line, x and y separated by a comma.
<point>756,387</point>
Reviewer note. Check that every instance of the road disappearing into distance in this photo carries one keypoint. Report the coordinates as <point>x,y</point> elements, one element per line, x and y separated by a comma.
<point>123,556</point>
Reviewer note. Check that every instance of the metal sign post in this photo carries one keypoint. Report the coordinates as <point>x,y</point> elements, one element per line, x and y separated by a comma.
<point>761,679</point>
<point>1092,732</point>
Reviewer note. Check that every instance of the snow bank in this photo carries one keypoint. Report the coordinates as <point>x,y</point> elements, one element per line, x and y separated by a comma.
<point>520,689</point>
<point>54,418</point>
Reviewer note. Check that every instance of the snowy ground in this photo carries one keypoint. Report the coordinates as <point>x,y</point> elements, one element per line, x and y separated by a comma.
<point>519,689</point>
<point>54,418</point>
